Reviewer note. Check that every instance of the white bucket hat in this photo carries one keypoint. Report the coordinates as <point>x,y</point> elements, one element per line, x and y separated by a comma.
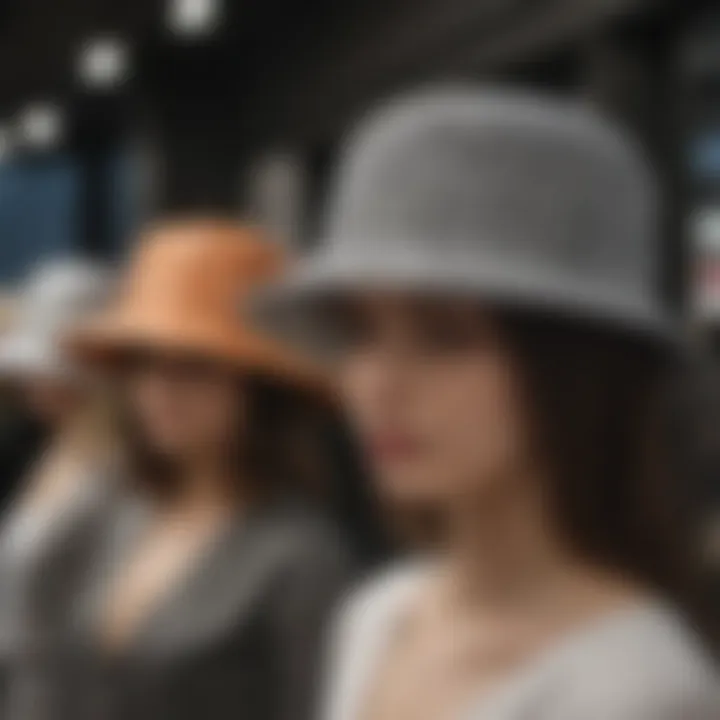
<point>516,198</point>
<point>56,296</point>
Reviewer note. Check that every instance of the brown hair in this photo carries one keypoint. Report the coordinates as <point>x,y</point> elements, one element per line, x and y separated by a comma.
<point>599,404</point>
<point>280,449</point>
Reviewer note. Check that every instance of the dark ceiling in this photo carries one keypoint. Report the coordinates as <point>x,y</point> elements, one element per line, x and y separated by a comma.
<point>40,39</point>
<point>288,58</point>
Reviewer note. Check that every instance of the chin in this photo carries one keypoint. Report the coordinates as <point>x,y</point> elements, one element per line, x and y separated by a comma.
<point>411,489</point>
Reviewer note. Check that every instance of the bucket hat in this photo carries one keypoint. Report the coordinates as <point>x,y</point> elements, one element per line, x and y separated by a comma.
<point>513,197</point>
<point>58,294</point>
<point>180,295</point>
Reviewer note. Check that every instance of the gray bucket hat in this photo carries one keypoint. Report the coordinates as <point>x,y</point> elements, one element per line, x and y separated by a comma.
<point>56,296</point>
<point>517,198</point>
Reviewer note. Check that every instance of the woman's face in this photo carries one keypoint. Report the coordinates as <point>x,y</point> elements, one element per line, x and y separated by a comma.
<point>185,408</point>
<point>432,394</point>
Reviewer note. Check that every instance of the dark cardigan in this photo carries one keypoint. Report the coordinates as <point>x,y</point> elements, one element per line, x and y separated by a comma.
<point>240,637</point>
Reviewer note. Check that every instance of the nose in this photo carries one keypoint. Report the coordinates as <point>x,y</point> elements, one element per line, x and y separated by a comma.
<point>384,378</point>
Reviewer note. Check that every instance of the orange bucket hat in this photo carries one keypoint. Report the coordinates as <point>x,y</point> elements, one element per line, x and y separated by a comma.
<point>185,291</point>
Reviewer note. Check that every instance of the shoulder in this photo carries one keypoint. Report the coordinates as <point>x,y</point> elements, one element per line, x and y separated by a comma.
<point>359,628</point>
<point>649,665</point>
<point>302,536</point>
<point>375,604</point>
<point>304,558</point>
<point>49,536</point>
<point>386,591</point>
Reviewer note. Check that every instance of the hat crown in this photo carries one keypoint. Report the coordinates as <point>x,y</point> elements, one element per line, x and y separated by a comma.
<point>198,271</point>
<point>181,295</point>
<point>499,177</point>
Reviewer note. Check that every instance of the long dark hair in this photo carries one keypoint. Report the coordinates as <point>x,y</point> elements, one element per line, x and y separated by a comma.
<point>600,402</point>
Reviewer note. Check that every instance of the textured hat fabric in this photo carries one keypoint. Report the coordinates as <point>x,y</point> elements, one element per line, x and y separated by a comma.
<point>58,295</point>
<point>181,293</point>
<point>513,197</point>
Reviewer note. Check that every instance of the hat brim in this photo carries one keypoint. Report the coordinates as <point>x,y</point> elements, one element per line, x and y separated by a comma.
<point>294,308</point>
<point>107,341</point>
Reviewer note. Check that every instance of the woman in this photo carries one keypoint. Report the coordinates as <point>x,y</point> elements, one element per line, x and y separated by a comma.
<point>486,292</point>
<point>213,575</point>
<point>66,482</point>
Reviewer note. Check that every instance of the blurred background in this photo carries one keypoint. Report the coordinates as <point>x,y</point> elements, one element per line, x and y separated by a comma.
<point>116,111</point>
<point>113,111</point>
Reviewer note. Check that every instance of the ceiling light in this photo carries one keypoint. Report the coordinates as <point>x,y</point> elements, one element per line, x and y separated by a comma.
<point>104,63</point>
<point>194,18</point>
<point>41,125</point>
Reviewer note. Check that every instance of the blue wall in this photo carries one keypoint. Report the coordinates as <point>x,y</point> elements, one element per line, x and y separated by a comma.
<point>41,211</point>
<point>38,212</point>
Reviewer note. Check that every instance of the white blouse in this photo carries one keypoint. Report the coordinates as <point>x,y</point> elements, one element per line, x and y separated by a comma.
<point>639,663</point>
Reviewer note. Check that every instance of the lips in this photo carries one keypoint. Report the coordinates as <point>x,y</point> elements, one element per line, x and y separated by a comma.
<point>393,447</point>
